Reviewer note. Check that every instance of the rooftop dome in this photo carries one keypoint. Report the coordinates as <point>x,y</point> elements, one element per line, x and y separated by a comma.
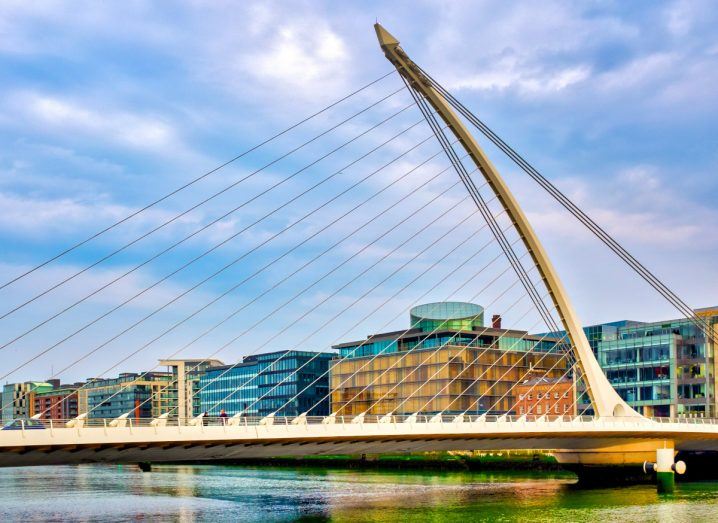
<point>455,315</point>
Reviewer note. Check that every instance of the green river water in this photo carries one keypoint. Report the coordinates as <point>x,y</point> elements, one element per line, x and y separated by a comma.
<point>224,493</point>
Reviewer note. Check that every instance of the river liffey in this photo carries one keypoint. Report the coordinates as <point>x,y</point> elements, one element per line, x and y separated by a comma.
<point>224,493</point>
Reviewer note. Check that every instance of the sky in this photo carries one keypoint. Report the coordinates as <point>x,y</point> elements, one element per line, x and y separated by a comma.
<point>105,107</point>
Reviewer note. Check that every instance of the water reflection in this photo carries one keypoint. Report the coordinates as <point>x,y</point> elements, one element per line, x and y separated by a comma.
<point>204,493</point>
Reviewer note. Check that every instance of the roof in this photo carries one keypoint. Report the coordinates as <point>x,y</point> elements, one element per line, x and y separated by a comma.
<point>484,332</point>
<point>447,310</point>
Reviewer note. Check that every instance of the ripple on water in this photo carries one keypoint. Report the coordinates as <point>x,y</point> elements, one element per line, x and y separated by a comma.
<point>220,493</point>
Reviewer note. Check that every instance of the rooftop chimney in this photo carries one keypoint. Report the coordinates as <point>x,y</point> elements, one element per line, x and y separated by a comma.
<point>496,321</point>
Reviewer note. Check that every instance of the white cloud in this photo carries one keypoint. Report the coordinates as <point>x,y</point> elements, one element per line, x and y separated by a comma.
<point>643,70</point>
<point>46,217</point>
<point>512,77</point>
<point>635,206</point>
<point>298,56</point>
<point>122,127</point>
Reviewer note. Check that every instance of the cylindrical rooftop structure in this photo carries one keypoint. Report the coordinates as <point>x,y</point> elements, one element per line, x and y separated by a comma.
<point>453,315</point>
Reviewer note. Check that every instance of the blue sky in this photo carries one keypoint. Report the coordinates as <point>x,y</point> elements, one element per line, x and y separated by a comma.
<point>106,106</point>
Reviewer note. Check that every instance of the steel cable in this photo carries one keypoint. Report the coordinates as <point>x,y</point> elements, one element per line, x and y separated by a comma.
<point>192,182</point>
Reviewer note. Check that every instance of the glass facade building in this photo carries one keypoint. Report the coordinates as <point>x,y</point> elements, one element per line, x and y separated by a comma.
<point>664,368</point>
<point>263,384</point>
<point>454,315</point>
<point>436,368</point>
<point>143,395</point>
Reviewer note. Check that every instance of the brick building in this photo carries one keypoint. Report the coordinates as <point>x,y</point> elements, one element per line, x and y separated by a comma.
<point>57,404</point>
<point>545,395</point>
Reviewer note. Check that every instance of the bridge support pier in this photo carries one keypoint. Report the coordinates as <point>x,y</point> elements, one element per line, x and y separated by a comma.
<point>145,466</point>
<point>624,463</point>
<point>665,468</point>
<point>665,477</point>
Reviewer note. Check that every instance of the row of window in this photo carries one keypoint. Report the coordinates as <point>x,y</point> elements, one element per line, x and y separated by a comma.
<point>557,409</point>
<point>545,395</point>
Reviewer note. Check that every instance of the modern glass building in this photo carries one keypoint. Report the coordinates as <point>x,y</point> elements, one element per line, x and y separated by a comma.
<point>442,364</point>
<point>664,368</point>
<point>454,315</point>
<point>143,395</point>
<point>263,384</point>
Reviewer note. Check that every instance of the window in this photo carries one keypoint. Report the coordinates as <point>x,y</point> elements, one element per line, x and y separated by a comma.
<point>538,409</point>
<point>538,396</point>
<point>555,409</point>
<point>555,395</point>
<point>521,410</point>
<point>530,397</point>
<point>521,396</point>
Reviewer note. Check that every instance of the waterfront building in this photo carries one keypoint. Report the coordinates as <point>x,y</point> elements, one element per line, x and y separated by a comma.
<point>663,368</point>
<point>181,393</point>
<point>139,394</point>
<point>60,403</point>
<point>18,399</point>
<point>82,398</point>
<point>446,362</point>
<point>545,396</point>
<point>261,384</point>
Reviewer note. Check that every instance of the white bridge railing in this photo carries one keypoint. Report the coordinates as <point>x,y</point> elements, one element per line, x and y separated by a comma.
<point>245,421</point>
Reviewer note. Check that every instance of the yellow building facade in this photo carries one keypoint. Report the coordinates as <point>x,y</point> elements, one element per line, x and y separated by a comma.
<point>433,367</point>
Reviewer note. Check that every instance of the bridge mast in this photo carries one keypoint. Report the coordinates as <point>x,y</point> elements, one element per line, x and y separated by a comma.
<point>605,400</point>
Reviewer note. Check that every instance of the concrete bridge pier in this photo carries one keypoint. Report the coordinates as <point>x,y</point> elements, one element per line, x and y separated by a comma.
<point>625,463</point>
<point>665,476</point>
<point>666,468</point>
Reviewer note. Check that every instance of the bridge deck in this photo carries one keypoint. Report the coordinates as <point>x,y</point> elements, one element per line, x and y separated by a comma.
<point>253,439</point>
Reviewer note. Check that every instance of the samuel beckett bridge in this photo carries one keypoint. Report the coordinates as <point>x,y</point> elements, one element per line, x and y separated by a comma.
<point>344,264</point>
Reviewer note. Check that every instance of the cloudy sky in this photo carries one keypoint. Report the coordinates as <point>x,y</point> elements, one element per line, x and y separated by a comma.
<point>105,107</point>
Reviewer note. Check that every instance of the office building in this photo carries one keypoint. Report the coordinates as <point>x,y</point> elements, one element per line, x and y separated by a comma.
<point>182,390</point>
<point>287,383</point>
<point>18,399</point>
<point>663,368</point>
<point>142,395</point>
<point>447,361</point>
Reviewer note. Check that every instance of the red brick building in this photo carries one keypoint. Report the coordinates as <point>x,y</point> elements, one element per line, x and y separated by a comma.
<point>539,396</point>
<point>59,404</point>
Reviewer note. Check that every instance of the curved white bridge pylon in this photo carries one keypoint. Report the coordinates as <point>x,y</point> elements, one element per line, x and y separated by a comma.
<point>604,399</point>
